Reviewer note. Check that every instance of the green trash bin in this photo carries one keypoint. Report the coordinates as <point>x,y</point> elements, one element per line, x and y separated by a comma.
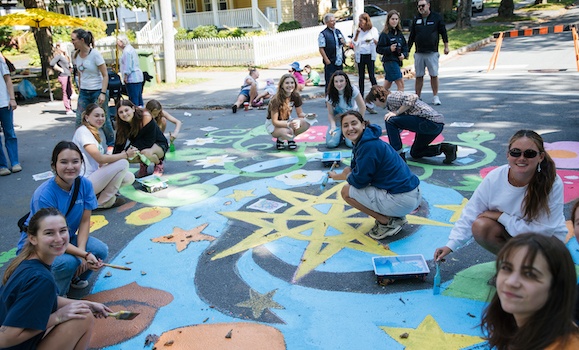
<point>147,64</point>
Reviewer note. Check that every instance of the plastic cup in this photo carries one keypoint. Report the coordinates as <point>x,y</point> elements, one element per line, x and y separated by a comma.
<point>246,106</point>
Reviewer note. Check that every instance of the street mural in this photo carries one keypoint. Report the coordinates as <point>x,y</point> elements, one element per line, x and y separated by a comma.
<point>244,244</point>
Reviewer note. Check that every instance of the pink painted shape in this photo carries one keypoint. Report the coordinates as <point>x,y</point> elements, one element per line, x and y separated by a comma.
<point>408,138</point>
<point>569,146</point>
<point>313,134</point>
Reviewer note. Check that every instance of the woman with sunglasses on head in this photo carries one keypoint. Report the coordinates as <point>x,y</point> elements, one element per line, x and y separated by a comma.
<point>525,195</point>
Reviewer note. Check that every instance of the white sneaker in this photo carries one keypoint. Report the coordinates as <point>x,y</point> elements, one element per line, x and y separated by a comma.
<point>394,226</point>
<point>436,100</point>
<point>70,113</point>
<point>77,283</point>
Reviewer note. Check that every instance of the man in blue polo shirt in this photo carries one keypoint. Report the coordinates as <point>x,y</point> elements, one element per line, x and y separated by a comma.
<point>426,29</point>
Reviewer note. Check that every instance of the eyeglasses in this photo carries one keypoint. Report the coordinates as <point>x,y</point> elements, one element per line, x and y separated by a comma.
<point>529,153</point>
<point>421,6</point>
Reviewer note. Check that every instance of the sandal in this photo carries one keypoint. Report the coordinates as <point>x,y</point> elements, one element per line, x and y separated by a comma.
<point>280,145</point>
<point>292,145</point>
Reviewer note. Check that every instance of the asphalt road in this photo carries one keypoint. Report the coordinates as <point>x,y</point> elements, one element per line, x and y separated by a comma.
<point>534,86</point>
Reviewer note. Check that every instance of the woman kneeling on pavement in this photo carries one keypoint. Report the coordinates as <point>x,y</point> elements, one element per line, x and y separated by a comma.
<point>408,112</point>
<point>32,315</point>
<point>84,253</point>
<point>136,128</point>
<point>379,184</point>
<point>278,122</point>
<point>107,172</point>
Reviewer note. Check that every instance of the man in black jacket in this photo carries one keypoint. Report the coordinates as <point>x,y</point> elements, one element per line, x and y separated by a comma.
<point>330,42</point>
<point>426,28</point>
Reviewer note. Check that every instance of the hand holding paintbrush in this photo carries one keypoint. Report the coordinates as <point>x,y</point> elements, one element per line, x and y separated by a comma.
<point>327,175</point>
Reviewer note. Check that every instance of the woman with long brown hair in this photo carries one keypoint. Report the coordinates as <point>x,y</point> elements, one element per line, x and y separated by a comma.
<point>533,304</point>
<point>279,122</point>
<point>394,48</point>
<point>365,41</point>
<point>525,195</point>
<point>32,316</point>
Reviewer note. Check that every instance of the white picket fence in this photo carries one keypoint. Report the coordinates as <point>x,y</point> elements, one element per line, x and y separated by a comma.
<point>252,50</point>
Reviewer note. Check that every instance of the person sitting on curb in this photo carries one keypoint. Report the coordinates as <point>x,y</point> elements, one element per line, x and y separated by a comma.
<point>248,89</point>
<point>379,184</point>
<point>279,122</point>
<point>313,78</point>
<point>296,71</point>
<point>268,92</point>
<point>407,112</point>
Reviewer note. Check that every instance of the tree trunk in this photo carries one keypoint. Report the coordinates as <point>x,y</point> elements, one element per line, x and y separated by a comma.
<point>43,36</point>
<point>464,13</point>
<point>506,9</point>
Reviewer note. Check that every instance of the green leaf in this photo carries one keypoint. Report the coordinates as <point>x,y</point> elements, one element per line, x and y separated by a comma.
<point>477,136</point>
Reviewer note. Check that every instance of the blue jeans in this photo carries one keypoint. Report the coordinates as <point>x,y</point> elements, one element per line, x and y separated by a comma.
<point>64,266</point>
<point>426,131</point>
<point>333,141</point>
<point>87,97</point>
<point>10,141</point>
<point>135,92</point>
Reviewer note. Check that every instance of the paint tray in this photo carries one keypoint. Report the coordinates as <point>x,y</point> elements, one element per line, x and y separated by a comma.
<point>391,268</point>
<point>152,183</point>
<point>328,158</point>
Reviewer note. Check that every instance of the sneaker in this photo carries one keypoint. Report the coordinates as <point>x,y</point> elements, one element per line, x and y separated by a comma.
<point>371,110</point>
<point>380,231</point>
<point>17,168</point>
<point>143,171</point>
<point>77,283</point>
<point>449,151</point>
<point>70,113</point>
<point>5,171</point>
<point>436,101</point>
<point>234,108</point>
<point>159,169</point>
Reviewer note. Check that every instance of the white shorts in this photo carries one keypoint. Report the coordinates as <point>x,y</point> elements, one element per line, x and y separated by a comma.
<point>269,126</point>
<point>426,60</point>
<point>385,203</point>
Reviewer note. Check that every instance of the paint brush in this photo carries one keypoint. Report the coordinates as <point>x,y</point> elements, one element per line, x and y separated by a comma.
<point>115,266</point>
<point>326,177</point>
<point>123,315</point>
<point>436,286</point>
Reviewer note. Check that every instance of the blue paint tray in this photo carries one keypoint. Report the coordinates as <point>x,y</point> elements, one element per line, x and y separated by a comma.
<point>328,158</point>
<point>391,268</point>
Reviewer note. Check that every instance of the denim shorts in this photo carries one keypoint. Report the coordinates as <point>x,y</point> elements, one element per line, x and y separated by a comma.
<point>392,71</point>
<point>244,93</point>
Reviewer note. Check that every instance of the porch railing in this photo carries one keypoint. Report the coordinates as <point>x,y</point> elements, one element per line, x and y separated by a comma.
<point>237,18</point>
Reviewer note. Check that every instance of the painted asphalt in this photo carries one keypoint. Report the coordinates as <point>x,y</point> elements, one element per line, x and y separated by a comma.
<point>244,244</point>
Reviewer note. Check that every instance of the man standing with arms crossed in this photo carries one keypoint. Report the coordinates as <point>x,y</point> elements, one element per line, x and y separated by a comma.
<point>330,42</point>
<point>426,28</point>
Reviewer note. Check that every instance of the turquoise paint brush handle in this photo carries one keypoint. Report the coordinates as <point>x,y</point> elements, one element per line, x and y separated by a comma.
<point>327,176</point>
<point>436,287</point>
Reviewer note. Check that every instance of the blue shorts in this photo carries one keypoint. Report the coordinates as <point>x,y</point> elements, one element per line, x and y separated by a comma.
<point>244,93</point>
<point>392,71</point>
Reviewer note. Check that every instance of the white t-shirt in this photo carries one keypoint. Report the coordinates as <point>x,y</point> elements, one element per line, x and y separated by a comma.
<point>83,136</point>
<point>342,106</point>
<point>88,67</point>
<point>4,95</point>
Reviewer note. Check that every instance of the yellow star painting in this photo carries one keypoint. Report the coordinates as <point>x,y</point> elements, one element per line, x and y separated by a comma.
<point>182,238</point>
<point>308,218</point>
<point>429,335</point>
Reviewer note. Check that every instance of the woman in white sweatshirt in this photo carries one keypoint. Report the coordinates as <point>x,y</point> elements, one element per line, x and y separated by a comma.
<point>525,195</point>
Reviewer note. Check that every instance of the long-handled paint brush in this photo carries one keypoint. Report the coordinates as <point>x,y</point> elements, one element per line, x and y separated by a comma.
<point>436,286</point>
<point>123,315</point>
<point>327,176</point>
<point>115,266</point>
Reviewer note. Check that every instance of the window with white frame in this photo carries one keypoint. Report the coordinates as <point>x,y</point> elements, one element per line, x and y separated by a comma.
<point>190,6</point>
<point>222,5</point>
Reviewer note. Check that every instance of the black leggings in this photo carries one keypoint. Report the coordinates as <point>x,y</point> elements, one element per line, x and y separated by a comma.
<point>365,60</point>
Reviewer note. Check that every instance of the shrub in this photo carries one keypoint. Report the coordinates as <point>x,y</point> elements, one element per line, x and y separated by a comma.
<point>285,26</point>
<point>181,34</point>
<point>231,33</point>
<point>5,35</point>
<point>203,32</point>
<point>450,16</point>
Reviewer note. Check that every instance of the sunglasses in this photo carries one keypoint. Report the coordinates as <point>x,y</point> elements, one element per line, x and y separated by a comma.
<point>529,153</point>
<point>421,6</point>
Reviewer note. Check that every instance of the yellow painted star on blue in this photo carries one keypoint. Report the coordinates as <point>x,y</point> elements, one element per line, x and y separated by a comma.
<point>456,208</point>
<point>258,303</point>
<point>429,335</point>
<point>240,194</point>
